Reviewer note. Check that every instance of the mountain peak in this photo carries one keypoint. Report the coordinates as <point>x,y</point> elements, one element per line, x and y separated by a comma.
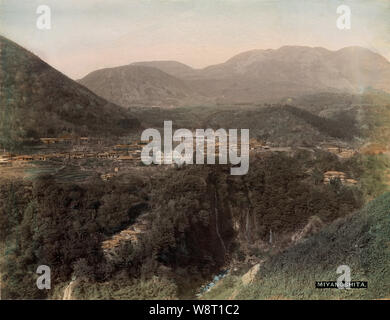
<point>139,83</point>
<point>173,68</point>
<point>37,100</point>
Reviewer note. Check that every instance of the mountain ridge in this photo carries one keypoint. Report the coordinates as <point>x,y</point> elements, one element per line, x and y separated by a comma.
<point>269,75</point>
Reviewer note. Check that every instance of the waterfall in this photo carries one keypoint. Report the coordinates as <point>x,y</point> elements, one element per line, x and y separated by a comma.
<point>216,220</point>
<point>247,226</point>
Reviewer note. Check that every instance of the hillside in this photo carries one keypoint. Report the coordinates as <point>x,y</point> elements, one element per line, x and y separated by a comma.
<point>138,84</point>
<point>341,101</point>
<point>196,221</point>
<point>38,101</point>
<point>360,240</point>
<point>285,125</point>
<point>281,125</point>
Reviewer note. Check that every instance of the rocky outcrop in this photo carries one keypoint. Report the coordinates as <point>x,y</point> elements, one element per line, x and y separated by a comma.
<point>248,277</point>
<point>313,226</point>
<point>131,234</point>
<point>69,289</point>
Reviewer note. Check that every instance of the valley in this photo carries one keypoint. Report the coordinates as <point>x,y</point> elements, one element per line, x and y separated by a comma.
<point>75,195</point>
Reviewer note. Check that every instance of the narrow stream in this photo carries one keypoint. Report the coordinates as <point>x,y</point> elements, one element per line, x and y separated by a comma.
<point>208,286</point>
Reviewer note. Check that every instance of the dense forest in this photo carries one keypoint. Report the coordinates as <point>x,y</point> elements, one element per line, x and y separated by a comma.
<point>197,222</point>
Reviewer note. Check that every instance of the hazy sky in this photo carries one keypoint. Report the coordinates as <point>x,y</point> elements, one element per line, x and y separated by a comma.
<point>92,34</point>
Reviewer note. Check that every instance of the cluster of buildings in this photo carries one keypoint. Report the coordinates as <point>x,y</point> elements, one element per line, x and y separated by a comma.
<point>132,153</point>
<point>338,175</point>
<point>122,153</point>
<point>218,145</point>
<point>343,153</point>
<point>131,234</point>
<point>10,159</point>
<point>374,149</point>
<point>65,140</point>
<point>5,159</point>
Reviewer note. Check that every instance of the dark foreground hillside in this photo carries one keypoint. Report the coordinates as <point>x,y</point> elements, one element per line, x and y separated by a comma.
<point>197,221</point>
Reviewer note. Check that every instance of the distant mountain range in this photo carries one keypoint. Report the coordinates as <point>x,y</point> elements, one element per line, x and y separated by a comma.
<point>253,76</point>
<point>37,101</point>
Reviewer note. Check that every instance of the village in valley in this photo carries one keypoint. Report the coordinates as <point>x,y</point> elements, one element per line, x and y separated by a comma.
<point>73,150</point>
